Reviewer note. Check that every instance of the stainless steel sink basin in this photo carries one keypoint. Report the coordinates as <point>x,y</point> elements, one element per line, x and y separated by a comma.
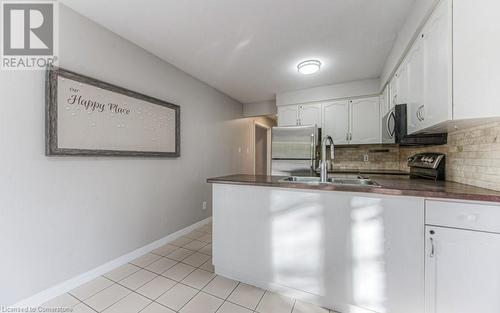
<point>361,182</point>
<point>351,180</point>
<point>301,180</point>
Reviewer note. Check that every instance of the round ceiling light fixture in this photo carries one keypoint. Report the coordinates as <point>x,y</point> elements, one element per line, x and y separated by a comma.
<point>309,67</point>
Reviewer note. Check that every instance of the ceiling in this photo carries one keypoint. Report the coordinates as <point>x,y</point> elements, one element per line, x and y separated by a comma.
<point>249,49</point>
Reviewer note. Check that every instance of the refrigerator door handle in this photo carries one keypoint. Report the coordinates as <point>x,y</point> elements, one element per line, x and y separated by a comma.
<point>313,151</point>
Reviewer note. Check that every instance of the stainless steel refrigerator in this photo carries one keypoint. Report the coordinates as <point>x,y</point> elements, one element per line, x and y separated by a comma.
<point>294,150</point>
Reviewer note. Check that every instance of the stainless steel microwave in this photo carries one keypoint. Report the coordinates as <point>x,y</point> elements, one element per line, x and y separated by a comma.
<point>395,130</point>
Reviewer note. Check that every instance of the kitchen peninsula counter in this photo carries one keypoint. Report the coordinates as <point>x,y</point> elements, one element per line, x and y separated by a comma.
<point>398,185</point>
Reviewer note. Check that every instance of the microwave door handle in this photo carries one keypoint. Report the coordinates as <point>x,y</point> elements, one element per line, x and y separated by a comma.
<point>389,131</point>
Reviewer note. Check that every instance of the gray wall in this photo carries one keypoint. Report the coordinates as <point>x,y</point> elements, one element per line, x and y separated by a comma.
<point>60,216</point>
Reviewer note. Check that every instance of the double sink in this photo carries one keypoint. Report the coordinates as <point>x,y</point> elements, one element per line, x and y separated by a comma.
<point>344,180</point>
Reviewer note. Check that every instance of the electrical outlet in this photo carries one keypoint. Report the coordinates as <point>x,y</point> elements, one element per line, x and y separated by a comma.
<point>366,158</point>
<point>204,205</point>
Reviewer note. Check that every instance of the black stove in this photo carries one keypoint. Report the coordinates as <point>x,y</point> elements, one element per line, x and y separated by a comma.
<point>427,165</point>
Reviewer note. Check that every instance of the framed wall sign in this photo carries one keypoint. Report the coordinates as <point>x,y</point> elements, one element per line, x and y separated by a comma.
<point>88,117</point>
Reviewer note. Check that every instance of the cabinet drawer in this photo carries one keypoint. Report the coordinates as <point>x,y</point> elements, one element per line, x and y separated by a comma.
<point>463,215</point>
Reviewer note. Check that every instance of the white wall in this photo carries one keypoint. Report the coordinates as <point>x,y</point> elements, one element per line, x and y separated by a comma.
<point>418,14</point>
<point>344,90</point>
<point>62,216</point>
<point>259,108</point>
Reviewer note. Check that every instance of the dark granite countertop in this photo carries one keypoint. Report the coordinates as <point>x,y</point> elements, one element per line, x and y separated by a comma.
<point>365,171</point>
<point>399,185</point>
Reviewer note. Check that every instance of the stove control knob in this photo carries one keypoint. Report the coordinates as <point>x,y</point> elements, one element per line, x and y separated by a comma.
<point>430,160</point>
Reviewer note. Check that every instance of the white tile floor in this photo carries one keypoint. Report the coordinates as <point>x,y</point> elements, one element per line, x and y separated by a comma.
<point>178,277</point>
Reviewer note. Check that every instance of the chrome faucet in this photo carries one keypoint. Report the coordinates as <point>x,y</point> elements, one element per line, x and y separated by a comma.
<point>322,166</point>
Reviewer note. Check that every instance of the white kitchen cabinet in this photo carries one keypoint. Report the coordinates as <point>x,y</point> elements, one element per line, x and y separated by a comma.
<point>393,92</point>
<point>415,70</point>
<point>310,115</point>
<point>424,78</point>
<point>476,65</point>
<point>288,115</point>
<point>461,68</point>
<point>347,121</point>
<point>336,121</point>
<point>402,84</point>
<point>385,101</point>
<point>462,257</point>
<point>351,252</point>
<point>462,272</point>
<point>299,115</point>
<point>365,121</point>
<point>437,64</point>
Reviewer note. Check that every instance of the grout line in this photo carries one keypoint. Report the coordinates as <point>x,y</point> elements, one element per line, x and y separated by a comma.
<point>177,282</point>
<point>293,306</point>
<point>260,300</point>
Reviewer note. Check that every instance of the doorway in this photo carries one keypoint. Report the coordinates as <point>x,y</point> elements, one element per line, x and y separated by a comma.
<point>262,135</point>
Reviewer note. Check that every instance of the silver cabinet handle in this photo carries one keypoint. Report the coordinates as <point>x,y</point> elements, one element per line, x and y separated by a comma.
<point>432,253</point>
<point>313,151</point>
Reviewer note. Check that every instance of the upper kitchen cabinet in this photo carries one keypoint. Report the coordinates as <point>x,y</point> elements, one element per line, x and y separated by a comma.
<point>401,85</point>
<point>427,69</point>
<point>385,101</point>
<point>436,41</point>
<point>310,115</point>
<point>365,121</point>
<point>336,121</point>
<point>299,115</point>
<point>476,63</point>
<point>415,67</point>
<point>352,121</point>
<point>450,74</point>
<point>288,115</point>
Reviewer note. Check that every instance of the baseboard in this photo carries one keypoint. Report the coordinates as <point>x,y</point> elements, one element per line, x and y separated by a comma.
<point>74,282</point>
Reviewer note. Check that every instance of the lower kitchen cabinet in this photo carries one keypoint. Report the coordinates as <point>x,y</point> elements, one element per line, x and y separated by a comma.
<point>462,272</point>
<point>351,252</point>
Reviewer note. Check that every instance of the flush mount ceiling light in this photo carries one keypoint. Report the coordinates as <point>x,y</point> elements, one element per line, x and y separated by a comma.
<point>309,67</point>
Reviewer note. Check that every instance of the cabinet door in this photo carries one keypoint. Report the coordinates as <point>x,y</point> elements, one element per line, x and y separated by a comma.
<point>310,115</point>
<point>415,70</point>
<point>288,115</point>
<point>385,102</point>
<point>436,38</point>
<point>476,70</point>
<point>393,92</point>
<point>462,273</point>
<point>335,117</point>
<point>365,121</point>
<point>402,84</point>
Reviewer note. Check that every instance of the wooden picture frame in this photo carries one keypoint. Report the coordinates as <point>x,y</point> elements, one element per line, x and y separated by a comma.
<point>101,119</point>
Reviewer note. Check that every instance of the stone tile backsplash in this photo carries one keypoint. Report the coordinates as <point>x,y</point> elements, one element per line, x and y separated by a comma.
<point>379,157</point>
<point>472,156</point>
